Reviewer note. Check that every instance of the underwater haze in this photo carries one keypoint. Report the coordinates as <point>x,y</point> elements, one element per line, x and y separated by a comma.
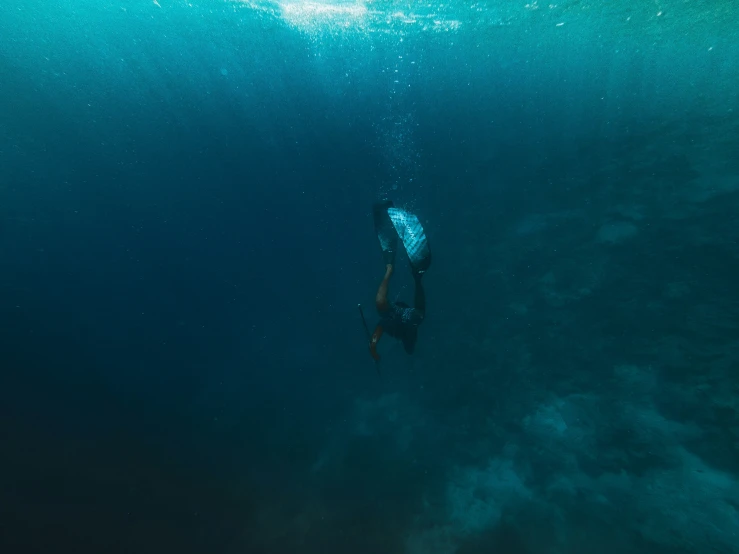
<point>186,230</point>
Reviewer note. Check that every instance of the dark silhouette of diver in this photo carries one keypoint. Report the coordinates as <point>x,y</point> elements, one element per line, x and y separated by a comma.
<point>397,318</point>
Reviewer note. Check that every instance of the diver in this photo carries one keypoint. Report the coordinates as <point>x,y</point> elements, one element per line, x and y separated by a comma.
<point>398,319</point>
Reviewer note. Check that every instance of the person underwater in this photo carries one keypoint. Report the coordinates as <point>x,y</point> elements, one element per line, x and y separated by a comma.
<point>398,319</point>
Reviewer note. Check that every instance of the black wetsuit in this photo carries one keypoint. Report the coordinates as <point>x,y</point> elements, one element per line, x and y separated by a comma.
<point>401,321</point>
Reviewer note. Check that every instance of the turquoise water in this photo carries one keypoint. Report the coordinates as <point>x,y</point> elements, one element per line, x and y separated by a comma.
<point>186,230</point>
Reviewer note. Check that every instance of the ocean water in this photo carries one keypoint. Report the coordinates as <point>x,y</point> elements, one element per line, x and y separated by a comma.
<point>186,231</point>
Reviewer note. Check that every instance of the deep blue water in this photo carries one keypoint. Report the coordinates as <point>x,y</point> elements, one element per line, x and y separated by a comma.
<point>186,230</point>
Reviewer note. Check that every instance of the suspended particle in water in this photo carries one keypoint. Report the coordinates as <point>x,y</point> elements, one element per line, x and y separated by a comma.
<point>224,71</point>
